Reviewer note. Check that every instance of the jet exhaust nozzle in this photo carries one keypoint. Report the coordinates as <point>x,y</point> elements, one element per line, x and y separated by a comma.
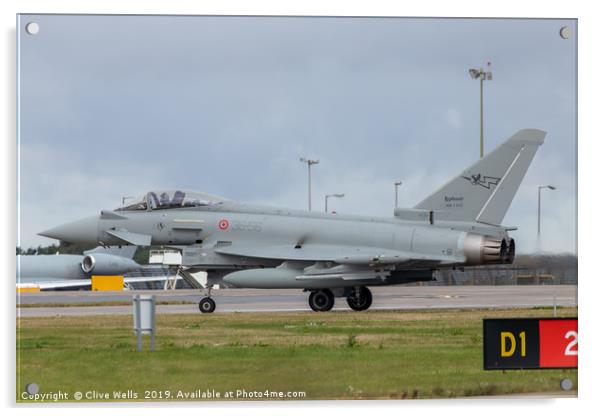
<point>483,249</point>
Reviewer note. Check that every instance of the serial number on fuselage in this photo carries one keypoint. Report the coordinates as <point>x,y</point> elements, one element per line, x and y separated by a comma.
<point>247,225</point>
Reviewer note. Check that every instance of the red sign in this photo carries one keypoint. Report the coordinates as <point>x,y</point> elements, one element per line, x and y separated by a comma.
<point>558,343</point>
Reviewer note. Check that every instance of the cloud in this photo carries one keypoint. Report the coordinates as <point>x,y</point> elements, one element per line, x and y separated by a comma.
<point>454,118</point>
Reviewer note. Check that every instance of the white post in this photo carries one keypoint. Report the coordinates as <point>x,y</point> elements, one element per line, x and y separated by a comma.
<point>144,319</point>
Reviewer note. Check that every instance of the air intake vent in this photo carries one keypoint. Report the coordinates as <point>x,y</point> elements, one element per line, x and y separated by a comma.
<point>221,244</point>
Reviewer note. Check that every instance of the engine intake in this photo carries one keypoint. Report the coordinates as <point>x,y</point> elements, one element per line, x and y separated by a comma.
<point>107,264</point>
<point>88,263</point>
<point>485,249</point>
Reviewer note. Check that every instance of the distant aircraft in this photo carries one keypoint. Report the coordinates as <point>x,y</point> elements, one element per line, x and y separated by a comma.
<point>73,271</point>
<point>328,255</point>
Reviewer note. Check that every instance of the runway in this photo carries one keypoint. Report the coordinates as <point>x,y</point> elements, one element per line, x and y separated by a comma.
<point>285,300</point>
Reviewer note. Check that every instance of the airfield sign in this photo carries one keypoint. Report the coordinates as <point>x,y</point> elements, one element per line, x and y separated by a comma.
<point>144,318</point>
<point>530,343</point>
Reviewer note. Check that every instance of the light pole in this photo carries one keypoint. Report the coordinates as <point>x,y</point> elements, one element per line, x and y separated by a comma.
<point>331,196</point>
<point>309,163</point>
<point>539,206</point>
<point>482,75</point>
<point>397,184</point>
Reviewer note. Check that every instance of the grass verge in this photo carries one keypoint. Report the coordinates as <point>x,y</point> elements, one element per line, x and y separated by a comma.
<point>336,355</point>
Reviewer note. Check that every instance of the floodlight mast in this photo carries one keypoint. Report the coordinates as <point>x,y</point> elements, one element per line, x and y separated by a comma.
<point>539,206</point>
<point>309,163</point>
<point>331,196</point>
<point>396,184</point>
<point>482,75</point>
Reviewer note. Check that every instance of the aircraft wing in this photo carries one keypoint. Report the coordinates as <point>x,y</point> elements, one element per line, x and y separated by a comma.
<point>145,279</point>
<point>57,284</point>
<point>358,256</point>
<point>81,283</point>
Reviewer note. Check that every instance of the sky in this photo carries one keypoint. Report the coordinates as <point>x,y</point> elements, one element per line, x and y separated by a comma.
<point>114,106</point>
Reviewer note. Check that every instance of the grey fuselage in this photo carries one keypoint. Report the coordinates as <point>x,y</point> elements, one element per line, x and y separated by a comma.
<point>265,225</point>
<point>202,231</point>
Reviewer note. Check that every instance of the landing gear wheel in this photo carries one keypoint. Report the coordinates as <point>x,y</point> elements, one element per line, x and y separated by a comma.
<point>321,300</point>
<point>360,299</point>
<point>207,305</point>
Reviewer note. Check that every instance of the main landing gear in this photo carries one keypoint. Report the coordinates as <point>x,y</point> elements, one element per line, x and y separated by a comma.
<point>359,298</point>
<point>321,300</point>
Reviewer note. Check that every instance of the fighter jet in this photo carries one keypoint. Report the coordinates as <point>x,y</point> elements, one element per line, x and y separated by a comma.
<point>73,271</point>
<point>328,255</point>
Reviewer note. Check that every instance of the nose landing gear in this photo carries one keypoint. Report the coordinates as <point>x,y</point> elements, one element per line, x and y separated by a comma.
<point>207,305</point>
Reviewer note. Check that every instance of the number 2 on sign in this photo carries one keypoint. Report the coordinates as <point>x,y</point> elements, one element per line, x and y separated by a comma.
<point>573,344</point>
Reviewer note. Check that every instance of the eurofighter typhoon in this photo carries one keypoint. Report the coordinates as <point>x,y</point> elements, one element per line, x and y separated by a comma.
<point>328,255</point>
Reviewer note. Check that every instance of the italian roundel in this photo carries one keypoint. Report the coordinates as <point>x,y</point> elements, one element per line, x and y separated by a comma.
<point>223,224</point>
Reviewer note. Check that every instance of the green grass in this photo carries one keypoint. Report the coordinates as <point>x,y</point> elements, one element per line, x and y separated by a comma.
<point>369,355</point>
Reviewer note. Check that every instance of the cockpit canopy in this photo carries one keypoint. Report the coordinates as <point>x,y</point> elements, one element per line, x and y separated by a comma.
<point>170,199</point>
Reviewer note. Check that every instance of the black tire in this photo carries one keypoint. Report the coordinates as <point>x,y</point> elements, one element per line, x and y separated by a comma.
<point>361,302</point>
<point>207,305</point>
<point>321,300</point>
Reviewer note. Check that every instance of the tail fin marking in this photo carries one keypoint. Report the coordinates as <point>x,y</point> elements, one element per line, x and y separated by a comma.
<point>484,191</point>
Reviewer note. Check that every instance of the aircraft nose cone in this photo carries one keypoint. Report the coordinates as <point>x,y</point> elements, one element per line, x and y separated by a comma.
<point>80,231</point>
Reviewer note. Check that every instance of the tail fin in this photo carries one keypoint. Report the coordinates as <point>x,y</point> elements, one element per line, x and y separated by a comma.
<point>484,191</point>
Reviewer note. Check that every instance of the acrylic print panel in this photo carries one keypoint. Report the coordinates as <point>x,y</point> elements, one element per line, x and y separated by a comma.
<point>111,107</point>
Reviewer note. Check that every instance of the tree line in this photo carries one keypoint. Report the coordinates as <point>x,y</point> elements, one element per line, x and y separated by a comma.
<point>141,255</point>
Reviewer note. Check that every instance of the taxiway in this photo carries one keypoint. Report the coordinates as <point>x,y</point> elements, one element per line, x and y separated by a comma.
<point>283,300</point>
